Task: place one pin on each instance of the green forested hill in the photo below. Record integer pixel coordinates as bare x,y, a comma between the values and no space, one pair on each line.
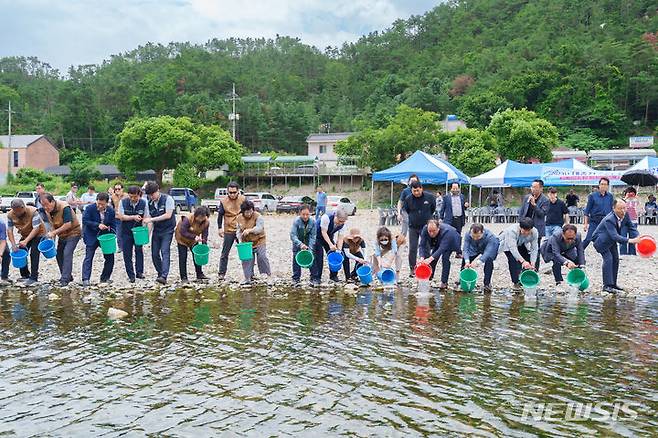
588,66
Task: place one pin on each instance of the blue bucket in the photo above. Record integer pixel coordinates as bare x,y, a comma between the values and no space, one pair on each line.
19,258
386,276
335,261
365,274
47,248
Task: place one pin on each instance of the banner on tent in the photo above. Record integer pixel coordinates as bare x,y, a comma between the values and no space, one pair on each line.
554,176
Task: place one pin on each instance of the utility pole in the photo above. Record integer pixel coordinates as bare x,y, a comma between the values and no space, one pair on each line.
234,117
9,153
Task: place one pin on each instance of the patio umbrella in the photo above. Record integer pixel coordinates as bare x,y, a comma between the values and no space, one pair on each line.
641,177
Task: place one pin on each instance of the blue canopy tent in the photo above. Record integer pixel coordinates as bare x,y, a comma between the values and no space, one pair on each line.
514,174
430,169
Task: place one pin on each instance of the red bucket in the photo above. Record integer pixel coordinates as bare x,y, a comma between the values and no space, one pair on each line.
423,271
646,247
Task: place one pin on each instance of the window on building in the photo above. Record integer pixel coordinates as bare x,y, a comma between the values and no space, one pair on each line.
323,148
15,158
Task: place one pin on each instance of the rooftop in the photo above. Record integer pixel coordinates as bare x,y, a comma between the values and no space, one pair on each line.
19,141
334,136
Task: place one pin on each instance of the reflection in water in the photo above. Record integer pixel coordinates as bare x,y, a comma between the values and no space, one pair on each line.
258,362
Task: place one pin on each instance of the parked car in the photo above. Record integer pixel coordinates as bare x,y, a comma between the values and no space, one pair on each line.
290,204
263,201
213,204
333,202
184,198
27,197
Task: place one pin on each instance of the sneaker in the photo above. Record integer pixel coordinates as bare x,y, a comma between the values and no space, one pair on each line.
161,280
245,283
106,281
86,283
63,283
220,277
202,277
132,280
609,289
558,283
617,287
23,279
487,289
517,286
141,276
30,282
443,286
315,283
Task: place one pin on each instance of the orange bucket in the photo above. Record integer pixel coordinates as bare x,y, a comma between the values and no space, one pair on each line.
646,247
423,271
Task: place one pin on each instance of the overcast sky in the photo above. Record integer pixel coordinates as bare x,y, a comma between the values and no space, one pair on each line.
74,32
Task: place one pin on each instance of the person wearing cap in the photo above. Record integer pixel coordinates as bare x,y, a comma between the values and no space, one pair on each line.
354,248
250,227
480,242
132,210
302,234
163,220
27,221
62,223
438,241
191,230
98,219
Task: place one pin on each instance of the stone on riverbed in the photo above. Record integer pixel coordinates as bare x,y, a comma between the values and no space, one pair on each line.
115,314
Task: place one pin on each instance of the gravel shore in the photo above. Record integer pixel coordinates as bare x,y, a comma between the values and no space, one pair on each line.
637,275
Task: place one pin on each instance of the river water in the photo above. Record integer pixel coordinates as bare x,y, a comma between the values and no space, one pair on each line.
283,362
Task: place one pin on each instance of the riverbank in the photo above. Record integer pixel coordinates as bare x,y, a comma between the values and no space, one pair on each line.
636,274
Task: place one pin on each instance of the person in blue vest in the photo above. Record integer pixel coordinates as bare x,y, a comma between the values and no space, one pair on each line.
483,243
329,237
606,237
132,211
563,249
438,241
161,215
97,219
599,204
303,235
453,210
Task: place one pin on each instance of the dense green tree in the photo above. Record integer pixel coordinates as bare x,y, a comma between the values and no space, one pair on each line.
522,136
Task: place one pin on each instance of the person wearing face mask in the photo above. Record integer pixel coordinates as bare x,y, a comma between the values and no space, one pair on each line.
386,252
519,242
132,211
251,228
97,219
606,237
163,219
303,235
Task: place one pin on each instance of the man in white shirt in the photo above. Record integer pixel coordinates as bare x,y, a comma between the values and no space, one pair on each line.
88,198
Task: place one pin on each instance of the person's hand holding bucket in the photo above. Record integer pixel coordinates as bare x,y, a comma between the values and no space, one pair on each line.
423,271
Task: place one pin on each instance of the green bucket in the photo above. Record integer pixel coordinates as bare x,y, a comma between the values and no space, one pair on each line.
578,278
108,243
304,258
245,251
201,252
529,279
141,235
467,279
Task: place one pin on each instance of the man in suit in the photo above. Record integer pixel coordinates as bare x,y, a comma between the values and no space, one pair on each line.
535,205
438,241
97,219
599,204
606,237
563,249
453,211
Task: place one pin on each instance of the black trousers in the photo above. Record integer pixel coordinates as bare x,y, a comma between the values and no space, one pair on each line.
182,262
514,265
458,223
33,270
